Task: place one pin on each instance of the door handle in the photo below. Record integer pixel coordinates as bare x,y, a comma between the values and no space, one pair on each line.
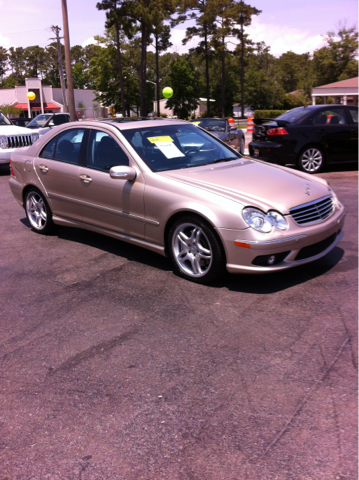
85,178
43,168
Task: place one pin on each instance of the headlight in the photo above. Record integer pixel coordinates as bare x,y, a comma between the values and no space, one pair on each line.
336,202
264,222
34,137
3,142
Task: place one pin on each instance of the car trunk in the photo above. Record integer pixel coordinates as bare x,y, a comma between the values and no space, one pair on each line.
262,125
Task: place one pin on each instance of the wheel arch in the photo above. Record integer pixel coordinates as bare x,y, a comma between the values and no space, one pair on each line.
313,144
31,186
182,213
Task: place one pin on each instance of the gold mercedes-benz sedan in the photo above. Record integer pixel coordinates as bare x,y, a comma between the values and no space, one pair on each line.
177,190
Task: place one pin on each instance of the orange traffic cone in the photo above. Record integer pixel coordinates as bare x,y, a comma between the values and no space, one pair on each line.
250,125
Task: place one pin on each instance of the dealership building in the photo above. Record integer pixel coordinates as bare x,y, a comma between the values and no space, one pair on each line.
48,100
344,92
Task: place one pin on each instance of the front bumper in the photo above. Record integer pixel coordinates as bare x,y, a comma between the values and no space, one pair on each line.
289,247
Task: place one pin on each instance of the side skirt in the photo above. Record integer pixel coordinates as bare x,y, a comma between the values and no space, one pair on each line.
119,236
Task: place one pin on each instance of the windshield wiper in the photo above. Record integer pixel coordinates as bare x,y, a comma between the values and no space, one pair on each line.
219,160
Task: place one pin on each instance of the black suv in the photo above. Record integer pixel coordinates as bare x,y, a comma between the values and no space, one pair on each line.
308,137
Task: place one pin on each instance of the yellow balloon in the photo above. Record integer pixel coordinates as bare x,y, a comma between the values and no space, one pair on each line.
31,96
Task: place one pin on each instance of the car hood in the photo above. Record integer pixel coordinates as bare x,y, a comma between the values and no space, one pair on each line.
253,183
15,130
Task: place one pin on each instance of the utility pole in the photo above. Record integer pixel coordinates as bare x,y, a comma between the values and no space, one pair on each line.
242,66
56,30
70,85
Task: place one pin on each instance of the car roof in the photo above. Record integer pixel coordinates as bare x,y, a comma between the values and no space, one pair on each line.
138,123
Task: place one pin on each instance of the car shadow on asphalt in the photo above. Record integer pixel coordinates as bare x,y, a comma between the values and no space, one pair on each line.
246,283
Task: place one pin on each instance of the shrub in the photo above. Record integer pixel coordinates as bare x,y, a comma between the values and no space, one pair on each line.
268,113
10,110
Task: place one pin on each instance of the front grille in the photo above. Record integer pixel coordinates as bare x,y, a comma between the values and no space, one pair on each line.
316,248
312,211
16,141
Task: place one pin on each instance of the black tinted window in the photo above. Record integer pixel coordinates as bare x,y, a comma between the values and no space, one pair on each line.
104,152
60,119
354,114
48,151
68,146
330,116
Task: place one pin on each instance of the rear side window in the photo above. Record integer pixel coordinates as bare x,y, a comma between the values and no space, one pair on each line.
330,117
65,147
353,112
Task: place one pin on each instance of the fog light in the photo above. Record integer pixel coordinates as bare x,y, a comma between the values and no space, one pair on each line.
271,260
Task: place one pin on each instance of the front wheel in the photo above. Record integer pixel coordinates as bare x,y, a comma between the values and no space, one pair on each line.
195,250
311,160
38,212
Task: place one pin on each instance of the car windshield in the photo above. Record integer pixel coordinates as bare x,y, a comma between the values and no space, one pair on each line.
172,147
211,124
4,120
292,116
39,121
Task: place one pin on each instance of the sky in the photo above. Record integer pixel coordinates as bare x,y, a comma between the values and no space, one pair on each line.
284,25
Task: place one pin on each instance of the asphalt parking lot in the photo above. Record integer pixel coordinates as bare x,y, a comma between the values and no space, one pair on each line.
112,367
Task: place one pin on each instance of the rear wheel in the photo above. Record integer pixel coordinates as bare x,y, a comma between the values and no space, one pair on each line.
195,249
311,160
242,146
38,212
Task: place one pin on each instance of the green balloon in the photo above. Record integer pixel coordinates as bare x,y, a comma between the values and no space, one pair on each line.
167,92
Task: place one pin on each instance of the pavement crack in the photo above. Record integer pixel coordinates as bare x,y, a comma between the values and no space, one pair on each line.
336,420
93,351
306,397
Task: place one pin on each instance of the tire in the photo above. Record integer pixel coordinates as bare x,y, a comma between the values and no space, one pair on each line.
195,250
311,160
38,212
242,145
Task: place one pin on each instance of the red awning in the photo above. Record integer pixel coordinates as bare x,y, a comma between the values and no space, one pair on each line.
47,106
51,105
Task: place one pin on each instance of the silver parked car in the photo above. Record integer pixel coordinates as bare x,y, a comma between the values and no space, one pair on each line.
177,190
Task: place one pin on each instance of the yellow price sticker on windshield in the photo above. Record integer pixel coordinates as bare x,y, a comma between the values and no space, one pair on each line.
196,123
163,139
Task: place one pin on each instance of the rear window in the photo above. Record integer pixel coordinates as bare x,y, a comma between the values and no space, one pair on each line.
293,116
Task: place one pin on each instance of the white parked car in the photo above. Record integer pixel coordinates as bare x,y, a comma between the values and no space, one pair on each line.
46,121
13,137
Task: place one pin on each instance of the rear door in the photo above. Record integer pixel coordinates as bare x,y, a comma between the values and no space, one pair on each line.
353,120
57,168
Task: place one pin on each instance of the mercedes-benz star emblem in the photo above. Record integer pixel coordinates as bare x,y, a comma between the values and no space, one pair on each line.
307,189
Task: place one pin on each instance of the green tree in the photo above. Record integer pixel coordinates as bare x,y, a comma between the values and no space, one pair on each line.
337,60
181,80
3,61
17,63
203,13
117,17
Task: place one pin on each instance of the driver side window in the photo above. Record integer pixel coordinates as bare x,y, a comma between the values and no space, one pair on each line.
104,152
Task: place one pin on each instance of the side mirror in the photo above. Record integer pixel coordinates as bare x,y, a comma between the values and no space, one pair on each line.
233,130
121,172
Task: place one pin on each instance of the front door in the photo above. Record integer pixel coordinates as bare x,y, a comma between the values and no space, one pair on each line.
333,131
110,203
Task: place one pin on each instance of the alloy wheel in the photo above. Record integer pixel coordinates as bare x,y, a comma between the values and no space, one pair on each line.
192,250
36,210
311,160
